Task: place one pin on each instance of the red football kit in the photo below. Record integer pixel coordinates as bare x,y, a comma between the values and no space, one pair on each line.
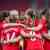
35,43
11,46
1,32
1,27
45,30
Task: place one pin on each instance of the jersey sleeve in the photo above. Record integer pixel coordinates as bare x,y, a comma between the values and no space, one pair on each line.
44,23
1,26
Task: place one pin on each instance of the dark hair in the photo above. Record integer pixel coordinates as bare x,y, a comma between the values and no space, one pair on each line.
3,16
30,13
44,12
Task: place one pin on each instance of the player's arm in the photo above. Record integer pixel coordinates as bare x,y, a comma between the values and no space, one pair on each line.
36,28
25,34
13,24
6,30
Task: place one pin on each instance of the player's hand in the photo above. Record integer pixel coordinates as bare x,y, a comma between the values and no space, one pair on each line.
5,42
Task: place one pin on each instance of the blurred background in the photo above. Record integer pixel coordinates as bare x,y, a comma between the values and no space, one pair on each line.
23,4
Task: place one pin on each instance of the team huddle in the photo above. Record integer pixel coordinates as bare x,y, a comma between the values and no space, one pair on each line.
26,33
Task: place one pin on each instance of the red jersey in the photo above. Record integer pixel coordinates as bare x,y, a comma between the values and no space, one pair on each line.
1,27
11,46
44,23
34,44
35,24
45,30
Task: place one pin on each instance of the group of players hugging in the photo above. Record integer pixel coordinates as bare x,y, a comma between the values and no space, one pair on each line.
27,33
